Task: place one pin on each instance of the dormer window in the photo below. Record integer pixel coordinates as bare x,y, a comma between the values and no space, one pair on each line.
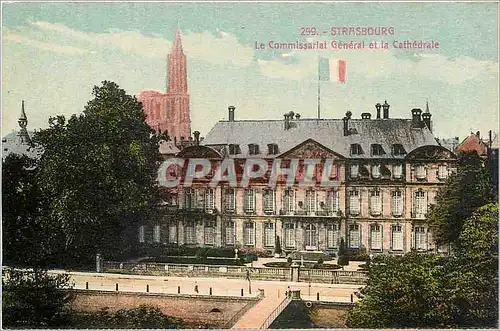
234,149
356,149
398,149
253,149
377,149
272,149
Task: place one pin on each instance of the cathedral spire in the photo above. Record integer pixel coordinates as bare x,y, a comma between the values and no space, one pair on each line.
177,73
23,123
23,119
177,45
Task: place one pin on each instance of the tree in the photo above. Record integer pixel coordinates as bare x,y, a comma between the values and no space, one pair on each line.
35,299
472,273
26,240
98,173
400,292
465,191
430,291
343,259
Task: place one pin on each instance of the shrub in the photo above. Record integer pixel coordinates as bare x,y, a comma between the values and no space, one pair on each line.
277,248
343,259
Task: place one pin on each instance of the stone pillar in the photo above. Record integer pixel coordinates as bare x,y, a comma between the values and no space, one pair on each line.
295,272
296,295
98,263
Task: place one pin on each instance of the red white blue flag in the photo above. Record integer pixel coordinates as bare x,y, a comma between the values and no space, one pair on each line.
332,70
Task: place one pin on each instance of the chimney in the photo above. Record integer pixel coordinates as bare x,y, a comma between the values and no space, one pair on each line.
196,138
366,116
346,122
231,113
287,121
416,121
426,117
378,106
386,106
478,134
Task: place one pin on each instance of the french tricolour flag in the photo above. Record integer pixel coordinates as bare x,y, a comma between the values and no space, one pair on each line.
332,70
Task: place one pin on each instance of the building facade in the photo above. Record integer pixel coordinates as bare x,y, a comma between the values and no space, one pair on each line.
169,112
386,171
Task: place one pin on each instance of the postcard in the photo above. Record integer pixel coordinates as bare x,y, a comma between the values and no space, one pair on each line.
250,165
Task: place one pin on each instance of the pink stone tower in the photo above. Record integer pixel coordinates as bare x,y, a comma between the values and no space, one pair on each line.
170,111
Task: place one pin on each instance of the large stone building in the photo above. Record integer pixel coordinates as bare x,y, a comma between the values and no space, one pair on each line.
387,170
170,111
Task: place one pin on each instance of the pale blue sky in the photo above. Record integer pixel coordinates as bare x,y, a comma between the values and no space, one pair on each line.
53,54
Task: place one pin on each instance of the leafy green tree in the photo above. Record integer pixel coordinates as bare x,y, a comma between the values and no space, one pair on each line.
343,258
26,239
97,173
465,191
35,299
426,290
401,292
472,273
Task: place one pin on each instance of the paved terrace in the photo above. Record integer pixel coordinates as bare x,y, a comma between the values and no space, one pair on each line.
274,291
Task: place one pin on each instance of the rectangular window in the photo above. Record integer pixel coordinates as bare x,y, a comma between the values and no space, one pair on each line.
230,200
272,149
397,203
376,171
289,235
420,172
420,205
354,170
420,238
234,149
288,201
209,200
354,236
248,233
442,172
190,232
141,233
375,236
310,202
332,236
189,199
209,234
268,201
269,240
397,238
249,203
354,202
172,233
375,203
333,202
397,171
253,149
230,233
156,234
356,149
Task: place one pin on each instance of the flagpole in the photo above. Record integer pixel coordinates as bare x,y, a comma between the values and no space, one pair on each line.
319,93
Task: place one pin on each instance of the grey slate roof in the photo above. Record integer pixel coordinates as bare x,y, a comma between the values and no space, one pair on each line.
328,132
13,144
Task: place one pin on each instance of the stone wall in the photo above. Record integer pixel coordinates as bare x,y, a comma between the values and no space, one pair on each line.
198,311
